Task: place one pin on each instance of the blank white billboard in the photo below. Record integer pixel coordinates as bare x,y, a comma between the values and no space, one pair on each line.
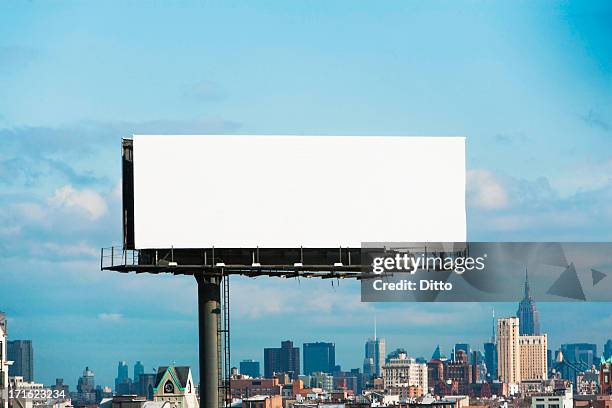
291,191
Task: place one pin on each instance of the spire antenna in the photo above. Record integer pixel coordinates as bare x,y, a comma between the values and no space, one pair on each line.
374,327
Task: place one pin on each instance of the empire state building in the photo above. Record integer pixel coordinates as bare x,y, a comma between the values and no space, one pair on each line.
529,318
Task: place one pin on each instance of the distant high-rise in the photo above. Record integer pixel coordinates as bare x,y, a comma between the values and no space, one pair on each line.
4,367
138,369
491,361
22,355
607,350
250,368
369,369
122,382
508,350
401,371
86,389
145,385
527,313
319,357
532,349
375,350
285,359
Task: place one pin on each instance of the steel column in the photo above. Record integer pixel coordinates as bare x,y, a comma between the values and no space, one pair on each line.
209,294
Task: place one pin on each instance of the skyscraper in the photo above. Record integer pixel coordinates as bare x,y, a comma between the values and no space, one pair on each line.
491,361
607,350
4,367
508,351
22,355
86,389
122,382
319,357
375,349
285,359
532,351
138,369
527,313
250,368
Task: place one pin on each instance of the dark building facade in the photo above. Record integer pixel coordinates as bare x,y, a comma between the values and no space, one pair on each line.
319,357
145,385
529,317
285,359
607,350
138,369
22,355
250,368
491,361
459,372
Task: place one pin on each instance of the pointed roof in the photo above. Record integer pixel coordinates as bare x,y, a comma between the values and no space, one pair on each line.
436,354
527,295
179,374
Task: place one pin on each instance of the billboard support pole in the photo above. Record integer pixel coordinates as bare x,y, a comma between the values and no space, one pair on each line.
209,309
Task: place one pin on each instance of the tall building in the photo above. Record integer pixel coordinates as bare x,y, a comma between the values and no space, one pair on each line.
4,367
404,372
508,350
86,389
138,369
527,313
285,359
534,365
460,372
20,352
369,369
145,385
491,361
607,350
250,368
375,349
319,357
123,384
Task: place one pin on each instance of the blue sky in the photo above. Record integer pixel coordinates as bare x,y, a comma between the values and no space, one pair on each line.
528,83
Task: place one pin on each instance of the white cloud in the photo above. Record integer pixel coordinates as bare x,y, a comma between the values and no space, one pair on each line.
110,317
30,211
117,191
86,201
66,251
485,190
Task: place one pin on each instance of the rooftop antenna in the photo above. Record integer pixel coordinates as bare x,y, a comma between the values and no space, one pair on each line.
374,327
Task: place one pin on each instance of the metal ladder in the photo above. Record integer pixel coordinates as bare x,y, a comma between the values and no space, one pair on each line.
223,343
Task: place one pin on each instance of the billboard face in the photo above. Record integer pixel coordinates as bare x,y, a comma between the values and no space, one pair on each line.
291,191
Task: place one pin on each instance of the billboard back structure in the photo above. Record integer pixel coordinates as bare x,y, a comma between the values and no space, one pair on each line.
222,191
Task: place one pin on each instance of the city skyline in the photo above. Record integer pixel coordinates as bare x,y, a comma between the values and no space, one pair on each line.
123,370
76,78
